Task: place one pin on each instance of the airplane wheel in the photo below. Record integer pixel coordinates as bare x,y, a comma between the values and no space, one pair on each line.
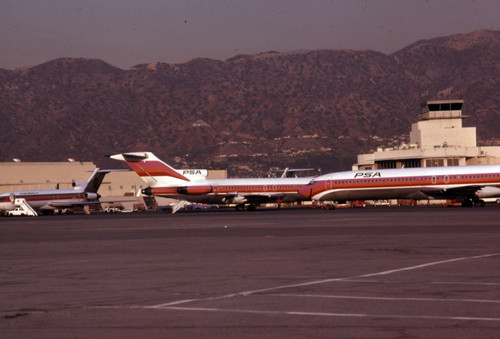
240,207
467,203
480,203
251,207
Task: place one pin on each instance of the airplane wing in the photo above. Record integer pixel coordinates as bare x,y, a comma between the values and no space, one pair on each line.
451,193
257,198
70,203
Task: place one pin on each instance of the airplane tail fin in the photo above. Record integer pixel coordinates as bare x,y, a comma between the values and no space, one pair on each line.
151,169
84,185
94,181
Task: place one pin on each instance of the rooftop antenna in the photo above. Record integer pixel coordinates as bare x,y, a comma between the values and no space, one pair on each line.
424,97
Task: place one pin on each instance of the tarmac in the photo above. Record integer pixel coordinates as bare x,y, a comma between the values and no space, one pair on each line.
407,272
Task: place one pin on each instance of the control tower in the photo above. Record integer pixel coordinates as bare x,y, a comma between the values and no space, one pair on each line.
436,139
440,125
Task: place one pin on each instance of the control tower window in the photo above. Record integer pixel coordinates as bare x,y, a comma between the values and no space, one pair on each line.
445,107
433,107
456,106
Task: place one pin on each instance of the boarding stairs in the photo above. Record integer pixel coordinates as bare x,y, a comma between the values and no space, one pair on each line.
21,202
180,204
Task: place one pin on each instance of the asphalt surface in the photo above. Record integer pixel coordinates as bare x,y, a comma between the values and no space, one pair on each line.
423,272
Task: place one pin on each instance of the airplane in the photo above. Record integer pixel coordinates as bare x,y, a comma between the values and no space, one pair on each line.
82,194
193,186
468,185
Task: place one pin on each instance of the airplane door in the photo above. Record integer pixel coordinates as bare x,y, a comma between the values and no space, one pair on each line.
215,188
328,183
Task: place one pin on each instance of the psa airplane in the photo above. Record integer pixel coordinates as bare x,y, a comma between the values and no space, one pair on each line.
467,184
192,185
82,194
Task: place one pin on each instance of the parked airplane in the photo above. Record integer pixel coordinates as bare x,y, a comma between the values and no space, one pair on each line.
193,186
467,184
82,194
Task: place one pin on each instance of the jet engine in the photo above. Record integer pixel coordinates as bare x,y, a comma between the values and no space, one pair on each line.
147,191
91,196
205,189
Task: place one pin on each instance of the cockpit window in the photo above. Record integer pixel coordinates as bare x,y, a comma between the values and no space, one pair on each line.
312,182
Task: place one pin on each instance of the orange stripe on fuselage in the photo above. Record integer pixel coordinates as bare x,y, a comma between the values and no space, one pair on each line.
164,190
399,182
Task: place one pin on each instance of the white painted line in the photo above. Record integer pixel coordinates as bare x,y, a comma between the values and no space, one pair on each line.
368,275
323,281
374,281
464,283
382,298
324,314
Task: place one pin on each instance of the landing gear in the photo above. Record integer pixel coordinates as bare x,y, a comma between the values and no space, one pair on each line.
241,207
467,202
473,202
480,203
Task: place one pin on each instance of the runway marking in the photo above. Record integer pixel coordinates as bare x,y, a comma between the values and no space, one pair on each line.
326,314
465,283
323,281
374,281
174,305
382,298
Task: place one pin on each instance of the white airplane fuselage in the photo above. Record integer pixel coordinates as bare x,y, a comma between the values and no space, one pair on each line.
46,199
457,182
221,191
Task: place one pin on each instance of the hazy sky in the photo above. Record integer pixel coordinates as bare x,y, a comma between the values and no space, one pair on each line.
126,32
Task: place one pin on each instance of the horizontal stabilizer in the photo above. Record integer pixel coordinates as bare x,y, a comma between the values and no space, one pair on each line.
114,170
129,157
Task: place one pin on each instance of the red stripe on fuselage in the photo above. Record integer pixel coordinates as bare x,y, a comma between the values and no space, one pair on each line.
49,196
399,182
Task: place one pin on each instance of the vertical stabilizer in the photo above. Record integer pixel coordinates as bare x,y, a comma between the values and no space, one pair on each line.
95,181
151,169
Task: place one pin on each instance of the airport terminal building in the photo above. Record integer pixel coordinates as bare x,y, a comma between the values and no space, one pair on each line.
436,139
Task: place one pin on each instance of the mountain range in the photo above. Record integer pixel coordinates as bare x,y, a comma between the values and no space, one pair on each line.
249,114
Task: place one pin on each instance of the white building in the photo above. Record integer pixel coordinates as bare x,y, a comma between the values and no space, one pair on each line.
436,139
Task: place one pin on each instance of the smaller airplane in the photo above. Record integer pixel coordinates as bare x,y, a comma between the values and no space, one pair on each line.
83,194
